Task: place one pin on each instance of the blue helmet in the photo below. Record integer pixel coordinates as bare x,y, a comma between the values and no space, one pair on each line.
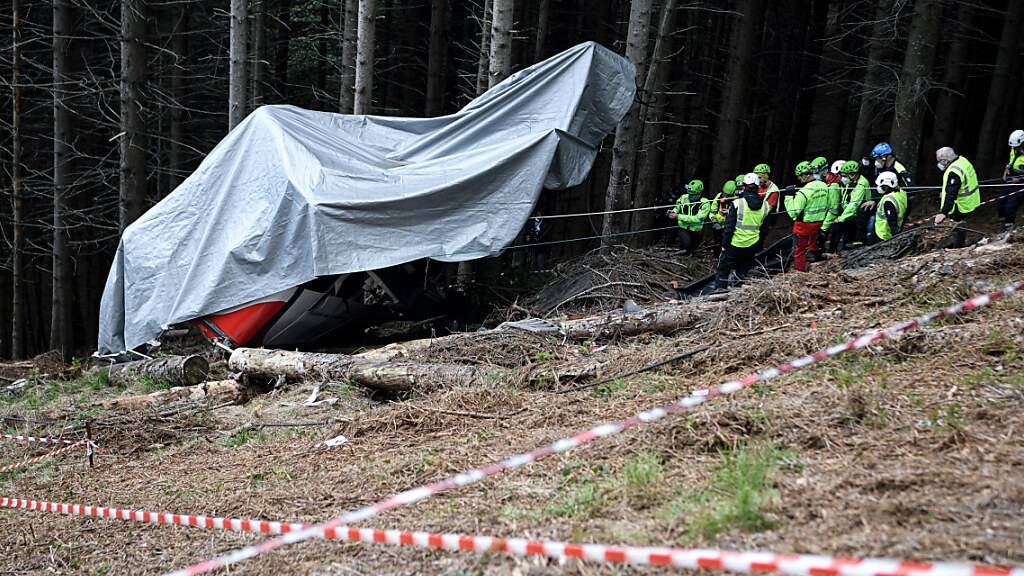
881,149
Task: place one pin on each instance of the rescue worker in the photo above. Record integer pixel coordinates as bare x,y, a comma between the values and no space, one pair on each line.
768,190
960,193
691,212
853,191
720,210
885,161
1012,199
892,208
835,191
741,234
835,172
807,207
819,167
820,172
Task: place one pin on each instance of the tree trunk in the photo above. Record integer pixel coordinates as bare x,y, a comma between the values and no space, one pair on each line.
60,315
346,100
466,273
484,65
729,131
651,116
661,319
543,25
620,182
501,42
873,77
914,83
283,47
993,126
258,38
133,126
437,56
946,121
18,336
210,393
365,44
238,74
322,58
179,47
261,364
178,370
390,373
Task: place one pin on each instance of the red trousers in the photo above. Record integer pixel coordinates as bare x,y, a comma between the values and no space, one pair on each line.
806,241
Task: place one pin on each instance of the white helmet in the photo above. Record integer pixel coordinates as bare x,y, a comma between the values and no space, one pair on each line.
1016,138
751,178
945,154
837,166
886,179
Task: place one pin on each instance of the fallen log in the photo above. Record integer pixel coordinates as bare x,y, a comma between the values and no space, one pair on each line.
663,318
380,375
390,376
217,392
178,370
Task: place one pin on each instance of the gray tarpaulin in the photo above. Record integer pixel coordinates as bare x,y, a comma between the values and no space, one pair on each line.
292,194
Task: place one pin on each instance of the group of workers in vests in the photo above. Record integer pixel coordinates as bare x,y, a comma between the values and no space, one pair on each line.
834,207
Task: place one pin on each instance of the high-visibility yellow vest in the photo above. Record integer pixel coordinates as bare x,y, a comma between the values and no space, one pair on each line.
969,196
748,223
898,198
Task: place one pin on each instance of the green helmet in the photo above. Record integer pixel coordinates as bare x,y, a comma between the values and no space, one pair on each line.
762,168
803,168
729,188
695,187
850,167
738,180
819,164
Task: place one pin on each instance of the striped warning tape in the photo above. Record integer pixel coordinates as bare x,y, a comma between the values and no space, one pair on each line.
747,562
989,201
19,438
48,455
473,476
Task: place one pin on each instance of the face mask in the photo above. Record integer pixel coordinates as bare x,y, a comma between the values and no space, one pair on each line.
845,180
817,176
879,163
942,166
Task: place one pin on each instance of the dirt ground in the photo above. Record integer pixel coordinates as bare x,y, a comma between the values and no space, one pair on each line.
911,449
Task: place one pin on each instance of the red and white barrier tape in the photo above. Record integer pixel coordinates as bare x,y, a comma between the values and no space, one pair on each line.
472,476
989,201
48,455
41,440
747,562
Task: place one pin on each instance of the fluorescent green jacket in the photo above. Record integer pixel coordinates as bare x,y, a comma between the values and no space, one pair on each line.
810,203
693,212
835,201
853,196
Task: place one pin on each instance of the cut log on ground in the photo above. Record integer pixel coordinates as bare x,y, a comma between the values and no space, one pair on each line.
217,392
662,319
395,376
379,375
178,370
